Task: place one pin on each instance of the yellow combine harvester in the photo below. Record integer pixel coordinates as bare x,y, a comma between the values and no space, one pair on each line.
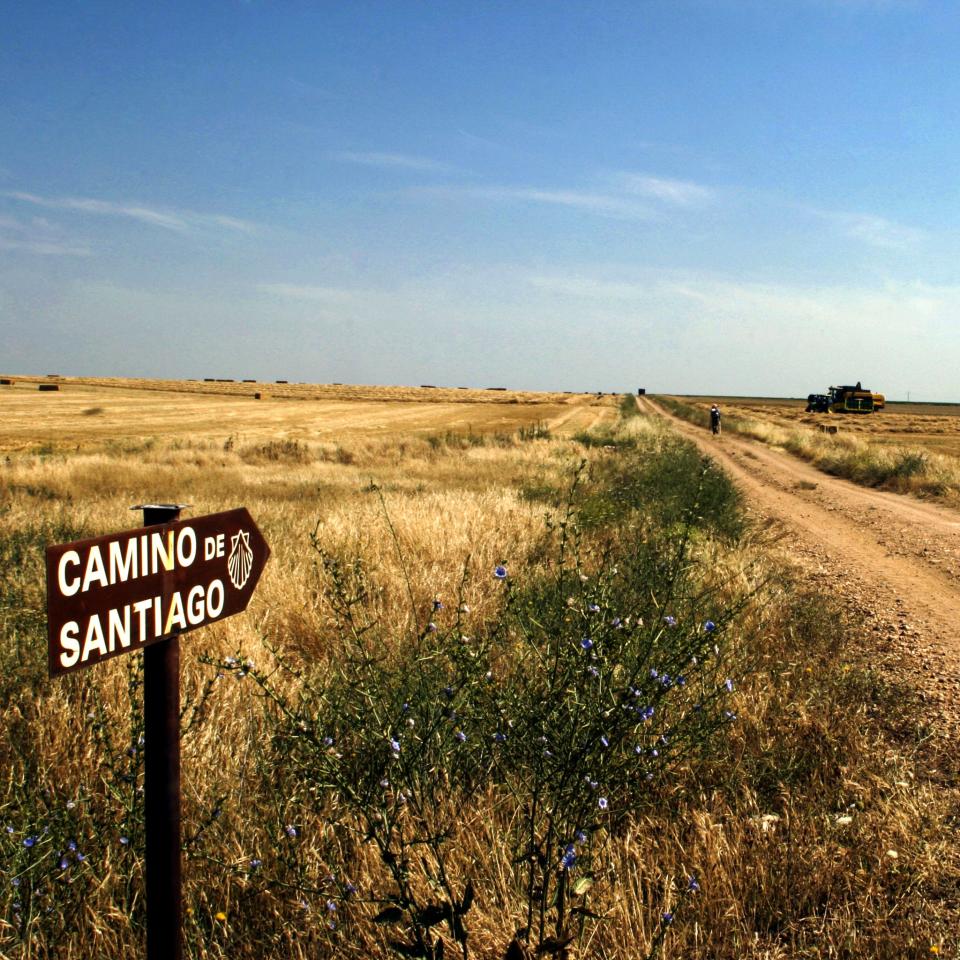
845,399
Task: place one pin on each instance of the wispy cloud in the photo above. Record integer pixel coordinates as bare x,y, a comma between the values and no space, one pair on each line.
600,204
38,237
314,294
392,161
177,220
875,231
591,288
683,193
622,195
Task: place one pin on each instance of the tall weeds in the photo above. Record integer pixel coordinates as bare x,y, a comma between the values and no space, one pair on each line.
594,721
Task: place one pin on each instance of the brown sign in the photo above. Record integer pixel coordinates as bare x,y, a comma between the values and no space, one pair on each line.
124,591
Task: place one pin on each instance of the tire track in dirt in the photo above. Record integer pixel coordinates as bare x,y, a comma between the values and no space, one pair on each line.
893,559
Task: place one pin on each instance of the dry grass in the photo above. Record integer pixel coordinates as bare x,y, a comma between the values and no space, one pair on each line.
760,823
898,449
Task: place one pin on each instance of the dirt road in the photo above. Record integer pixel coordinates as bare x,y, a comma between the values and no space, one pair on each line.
893,559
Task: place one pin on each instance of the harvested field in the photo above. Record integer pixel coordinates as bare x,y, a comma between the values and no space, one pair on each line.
136,411
484,536
934,426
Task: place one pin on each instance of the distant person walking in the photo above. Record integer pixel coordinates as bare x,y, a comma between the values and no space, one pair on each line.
715,420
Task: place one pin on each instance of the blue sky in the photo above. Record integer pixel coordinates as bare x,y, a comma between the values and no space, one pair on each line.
700,196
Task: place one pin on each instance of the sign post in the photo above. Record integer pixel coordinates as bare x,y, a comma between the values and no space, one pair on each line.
161,801
141,589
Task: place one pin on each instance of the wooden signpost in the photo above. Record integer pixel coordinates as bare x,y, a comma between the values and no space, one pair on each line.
141,589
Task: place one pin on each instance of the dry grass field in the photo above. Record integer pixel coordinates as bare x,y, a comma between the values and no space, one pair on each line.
909,448
89,413
771,840
935,427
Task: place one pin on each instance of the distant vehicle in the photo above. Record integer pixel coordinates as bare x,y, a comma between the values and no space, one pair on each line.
845,399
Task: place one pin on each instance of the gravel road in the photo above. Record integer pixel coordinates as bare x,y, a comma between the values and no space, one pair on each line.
894,560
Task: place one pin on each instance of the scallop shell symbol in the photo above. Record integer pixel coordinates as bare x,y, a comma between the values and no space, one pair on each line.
240,561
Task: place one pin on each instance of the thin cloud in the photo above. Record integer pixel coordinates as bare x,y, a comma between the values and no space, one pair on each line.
683,193
44,248
590,288
315,294
176,220
600,204
873,230
392,161
38,237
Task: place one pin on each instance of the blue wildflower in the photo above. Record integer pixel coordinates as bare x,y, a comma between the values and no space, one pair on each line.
124,841
500,571
593,608
667,919
437,604
328,741
349,890
256,864
581,836
569,858
593,671
80,857
670,621
586,643
709,626
602,803
290,830
604,741
728,683
394,745
692,885
29,842
331,907
431,627
64,863
461,736
499,737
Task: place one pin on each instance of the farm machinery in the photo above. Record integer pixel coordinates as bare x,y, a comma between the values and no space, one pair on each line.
845,399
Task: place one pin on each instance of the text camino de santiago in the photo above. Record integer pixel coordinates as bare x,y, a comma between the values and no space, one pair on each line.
139,621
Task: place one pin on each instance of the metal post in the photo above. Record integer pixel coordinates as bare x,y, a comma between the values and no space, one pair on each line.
161,709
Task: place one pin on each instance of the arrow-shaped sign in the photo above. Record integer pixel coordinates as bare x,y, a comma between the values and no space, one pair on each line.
124,591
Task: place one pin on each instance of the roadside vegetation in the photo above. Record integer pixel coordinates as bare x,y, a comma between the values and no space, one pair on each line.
903,469
505,696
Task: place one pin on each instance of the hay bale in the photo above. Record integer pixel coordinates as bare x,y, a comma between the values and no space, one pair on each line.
257,396
6,382
46,387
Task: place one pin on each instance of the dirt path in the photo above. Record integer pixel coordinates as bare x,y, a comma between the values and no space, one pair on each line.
895,560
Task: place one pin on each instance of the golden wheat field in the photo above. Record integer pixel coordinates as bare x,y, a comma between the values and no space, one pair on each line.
771,847
88,412
935,427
